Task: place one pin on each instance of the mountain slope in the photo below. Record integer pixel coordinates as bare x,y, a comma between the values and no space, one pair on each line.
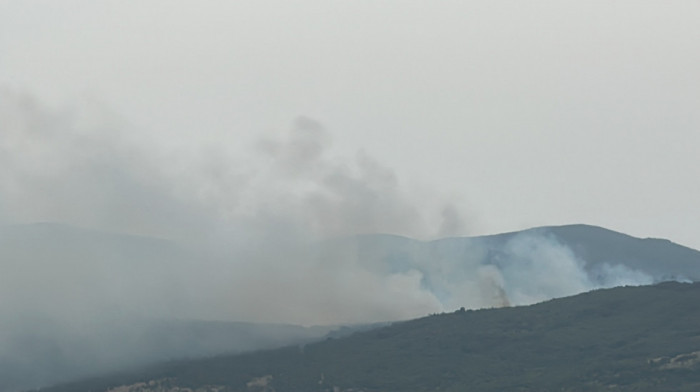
623,339
528,266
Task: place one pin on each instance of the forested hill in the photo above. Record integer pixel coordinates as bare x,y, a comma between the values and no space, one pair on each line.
622,339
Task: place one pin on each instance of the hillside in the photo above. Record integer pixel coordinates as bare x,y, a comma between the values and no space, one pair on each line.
623,339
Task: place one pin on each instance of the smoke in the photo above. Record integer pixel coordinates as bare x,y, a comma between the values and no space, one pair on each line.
265,236
479,272
301,184
79,167
536,268
143,231
242,226
83,167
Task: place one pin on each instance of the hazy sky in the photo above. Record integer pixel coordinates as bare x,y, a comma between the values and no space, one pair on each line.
244,131
516,114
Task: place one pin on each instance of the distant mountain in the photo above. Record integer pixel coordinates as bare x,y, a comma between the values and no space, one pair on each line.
642,338
527,266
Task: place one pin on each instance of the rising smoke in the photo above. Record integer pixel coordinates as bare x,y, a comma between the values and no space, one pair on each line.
237,239
248,231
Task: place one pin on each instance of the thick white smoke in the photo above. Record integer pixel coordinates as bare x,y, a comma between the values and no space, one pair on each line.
536,268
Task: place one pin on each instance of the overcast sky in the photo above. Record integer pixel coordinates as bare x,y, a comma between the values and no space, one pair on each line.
516,114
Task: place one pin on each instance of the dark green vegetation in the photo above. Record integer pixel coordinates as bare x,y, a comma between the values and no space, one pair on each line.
622,339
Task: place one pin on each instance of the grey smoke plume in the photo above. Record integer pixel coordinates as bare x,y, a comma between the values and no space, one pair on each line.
72,167
251,219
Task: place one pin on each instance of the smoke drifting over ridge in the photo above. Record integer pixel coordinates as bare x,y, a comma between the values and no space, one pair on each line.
254,238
